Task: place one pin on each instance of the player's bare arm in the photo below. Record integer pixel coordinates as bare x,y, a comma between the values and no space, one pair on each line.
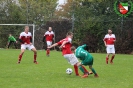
56,44
105,43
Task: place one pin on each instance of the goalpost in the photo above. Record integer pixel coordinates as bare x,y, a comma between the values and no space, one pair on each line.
33,25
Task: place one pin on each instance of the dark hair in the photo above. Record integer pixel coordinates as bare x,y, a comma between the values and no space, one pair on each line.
69,33
73,48
87,48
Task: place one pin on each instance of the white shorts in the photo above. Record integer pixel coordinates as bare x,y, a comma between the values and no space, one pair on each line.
71,58
49,43
110,49
27,46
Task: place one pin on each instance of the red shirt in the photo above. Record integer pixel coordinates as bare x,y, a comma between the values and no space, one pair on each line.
109,39
25,37
66,49
49,35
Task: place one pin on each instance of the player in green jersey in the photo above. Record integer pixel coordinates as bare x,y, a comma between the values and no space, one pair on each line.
82,53
11,40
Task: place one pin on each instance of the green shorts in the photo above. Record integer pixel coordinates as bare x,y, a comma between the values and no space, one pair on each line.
87,61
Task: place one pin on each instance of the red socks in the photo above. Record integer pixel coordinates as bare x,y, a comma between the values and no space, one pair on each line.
112,58
107,60
20,57
76,69
48,51
85,69
111,61
35,57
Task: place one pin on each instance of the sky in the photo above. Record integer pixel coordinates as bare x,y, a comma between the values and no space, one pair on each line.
62,1
59,1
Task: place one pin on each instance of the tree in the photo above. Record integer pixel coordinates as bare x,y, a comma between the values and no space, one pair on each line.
64,10
92,18
39,11
24,12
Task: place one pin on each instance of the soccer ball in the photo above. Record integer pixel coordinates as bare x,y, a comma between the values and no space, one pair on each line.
69,71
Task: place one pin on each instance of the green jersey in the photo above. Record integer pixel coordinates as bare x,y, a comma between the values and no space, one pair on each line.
84,55
11,38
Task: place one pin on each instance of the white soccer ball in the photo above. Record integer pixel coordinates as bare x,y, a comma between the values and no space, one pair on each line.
69,71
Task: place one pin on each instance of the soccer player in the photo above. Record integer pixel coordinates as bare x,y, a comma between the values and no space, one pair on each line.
26,43
87,59
11,40
109,41
48,36
65,45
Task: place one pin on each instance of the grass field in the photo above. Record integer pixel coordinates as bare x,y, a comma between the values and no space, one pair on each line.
50,72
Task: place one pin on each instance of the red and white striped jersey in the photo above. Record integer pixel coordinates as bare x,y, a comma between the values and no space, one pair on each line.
25,37
49,35
109,39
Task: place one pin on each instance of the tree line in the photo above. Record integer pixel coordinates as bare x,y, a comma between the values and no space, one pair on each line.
88,19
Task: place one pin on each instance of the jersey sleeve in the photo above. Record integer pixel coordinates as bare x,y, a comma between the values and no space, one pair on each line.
114,37
13,38
69,40
53,34
59,43
8,39
45,34
20,37
105,38
30,36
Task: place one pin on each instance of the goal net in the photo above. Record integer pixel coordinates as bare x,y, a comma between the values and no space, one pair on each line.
15,30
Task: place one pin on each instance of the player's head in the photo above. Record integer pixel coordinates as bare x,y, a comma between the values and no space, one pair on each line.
50,29
26,29
10,34
73,49
109,31
86,47
70,34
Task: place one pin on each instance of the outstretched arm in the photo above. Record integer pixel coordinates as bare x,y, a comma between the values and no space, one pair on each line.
56,44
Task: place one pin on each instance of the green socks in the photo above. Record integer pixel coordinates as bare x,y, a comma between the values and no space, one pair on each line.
93,70
80,67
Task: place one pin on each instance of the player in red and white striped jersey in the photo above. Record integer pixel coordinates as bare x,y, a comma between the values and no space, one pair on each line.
48,36
109,41
26,43
65,45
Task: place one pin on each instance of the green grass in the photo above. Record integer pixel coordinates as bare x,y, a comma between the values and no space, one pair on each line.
50,72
